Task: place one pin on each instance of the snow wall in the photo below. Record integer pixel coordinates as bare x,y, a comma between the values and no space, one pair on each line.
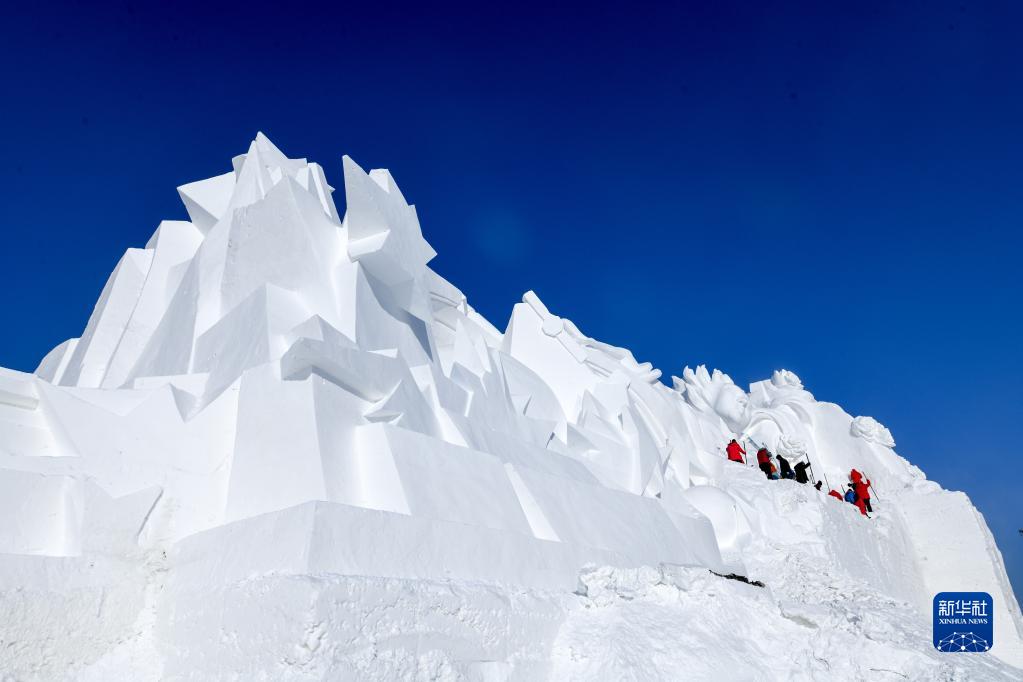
285,448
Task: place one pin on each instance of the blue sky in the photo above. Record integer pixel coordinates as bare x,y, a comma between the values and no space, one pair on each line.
834,191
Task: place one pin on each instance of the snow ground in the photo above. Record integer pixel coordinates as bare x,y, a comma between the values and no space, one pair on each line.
682,623
811,621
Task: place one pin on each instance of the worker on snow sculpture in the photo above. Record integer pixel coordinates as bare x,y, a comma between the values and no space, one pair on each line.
786,468
734,450
801,476
764,461
850,495
852,498
863,492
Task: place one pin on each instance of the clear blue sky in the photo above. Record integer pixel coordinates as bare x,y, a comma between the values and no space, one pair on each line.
834,191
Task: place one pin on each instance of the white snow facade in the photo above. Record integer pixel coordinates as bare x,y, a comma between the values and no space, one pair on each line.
284,448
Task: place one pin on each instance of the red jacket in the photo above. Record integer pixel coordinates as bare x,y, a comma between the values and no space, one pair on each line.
733,450
861,489
762,456
862,507
855,476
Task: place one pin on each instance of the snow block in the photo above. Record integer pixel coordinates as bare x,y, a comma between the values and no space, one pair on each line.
44,514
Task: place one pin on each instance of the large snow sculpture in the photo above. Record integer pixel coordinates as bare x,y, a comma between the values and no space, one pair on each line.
269,390
290,357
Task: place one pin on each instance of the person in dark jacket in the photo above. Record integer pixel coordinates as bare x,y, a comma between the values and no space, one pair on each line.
735,452
764,461
786,469
818,485
801,468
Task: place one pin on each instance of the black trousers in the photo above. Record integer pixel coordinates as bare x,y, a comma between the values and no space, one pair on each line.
766,468
866,503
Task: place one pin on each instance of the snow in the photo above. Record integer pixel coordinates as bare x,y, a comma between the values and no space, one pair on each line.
870,429
284,448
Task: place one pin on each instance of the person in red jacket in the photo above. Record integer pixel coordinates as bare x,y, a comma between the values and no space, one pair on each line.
863,493
733,451
853,498
764,461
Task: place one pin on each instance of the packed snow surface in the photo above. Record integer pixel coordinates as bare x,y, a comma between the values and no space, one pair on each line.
284,448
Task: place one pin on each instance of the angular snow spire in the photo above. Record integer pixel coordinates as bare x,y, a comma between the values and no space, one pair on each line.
385,237
207,200
381,222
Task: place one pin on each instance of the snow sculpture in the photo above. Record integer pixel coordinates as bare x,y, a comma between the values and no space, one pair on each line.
783,378
782,414
872,430
790,446
613,406
290,357
274,402
715,393
731,528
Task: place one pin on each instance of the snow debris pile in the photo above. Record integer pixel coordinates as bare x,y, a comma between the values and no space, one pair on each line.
285,448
